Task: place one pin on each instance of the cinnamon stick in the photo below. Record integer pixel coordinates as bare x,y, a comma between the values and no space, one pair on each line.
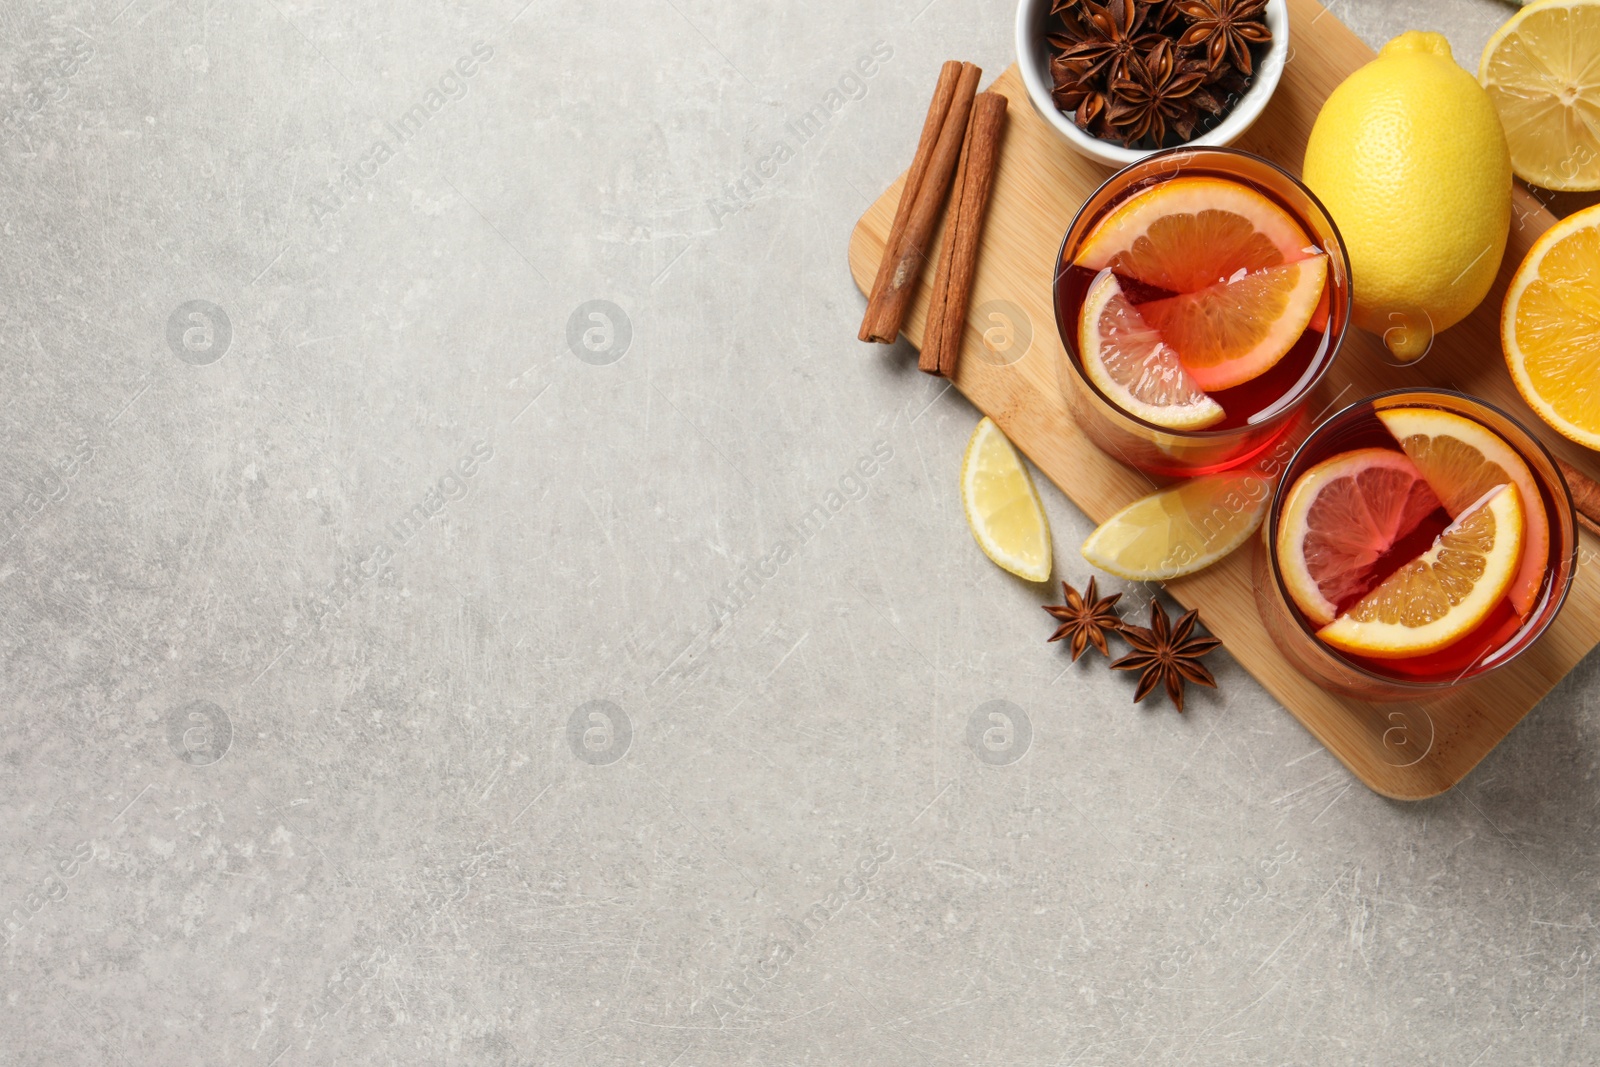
886,309
944,91
932,331
1585,495
958,260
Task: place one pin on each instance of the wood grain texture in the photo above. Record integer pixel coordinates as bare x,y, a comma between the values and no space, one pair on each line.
1040,185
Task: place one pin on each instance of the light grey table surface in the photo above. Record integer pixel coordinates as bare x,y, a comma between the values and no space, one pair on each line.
322,538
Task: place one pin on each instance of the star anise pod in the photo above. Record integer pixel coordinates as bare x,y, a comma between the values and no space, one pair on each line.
1086,619
1083,96
1227,84
1114,38
1167,655
1071,23
1159,14
1155,95
1225,29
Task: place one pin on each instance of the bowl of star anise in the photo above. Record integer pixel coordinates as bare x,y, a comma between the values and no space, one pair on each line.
1120,79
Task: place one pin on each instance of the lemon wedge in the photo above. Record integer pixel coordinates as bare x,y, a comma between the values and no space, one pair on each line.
1002,505
1180,530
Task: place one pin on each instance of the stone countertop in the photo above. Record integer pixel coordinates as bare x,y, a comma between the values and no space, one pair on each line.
469,599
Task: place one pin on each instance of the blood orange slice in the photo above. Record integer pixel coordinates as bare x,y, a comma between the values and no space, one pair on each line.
1130,363
1188,233
1228,334
1446,593
1462,460
1341,517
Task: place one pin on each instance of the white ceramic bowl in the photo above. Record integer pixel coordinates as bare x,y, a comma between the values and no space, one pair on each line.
1033,59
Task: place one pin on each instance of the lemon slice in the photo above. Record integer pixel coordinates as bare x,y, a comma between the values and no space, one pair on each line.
1461,460
1542,71
1180,530
1185,234
1444,594
1003,508
1129,362
1550,327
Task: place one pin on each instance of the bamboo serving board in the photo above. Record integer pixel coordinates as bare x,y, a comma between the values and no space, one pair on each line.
1405,751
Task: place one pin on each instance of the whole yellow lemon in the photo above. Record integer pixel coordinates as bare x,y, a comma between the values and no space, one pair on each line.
1410,160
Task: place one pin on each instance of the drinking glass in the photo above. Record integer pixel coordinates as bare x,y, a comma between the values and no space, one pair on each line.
1370,679
1153,448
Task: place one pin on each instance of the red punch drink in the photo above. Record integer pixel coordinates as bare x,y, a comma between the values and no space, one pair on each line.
1418,540
1201,295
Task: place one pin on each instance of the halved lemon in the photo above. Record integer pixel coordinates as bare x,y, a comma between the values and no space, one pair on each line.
1229,333
1462,460
1185,234
1550,327
1444,594
1180,530
1340,518
1002,506
1542,71
1130,363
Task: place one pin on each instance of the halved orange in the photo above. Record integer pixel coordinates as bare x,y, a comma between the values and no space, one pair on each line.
1550,327
1340,518
1189,233
1444,594
1229,333
1462,460
1133,366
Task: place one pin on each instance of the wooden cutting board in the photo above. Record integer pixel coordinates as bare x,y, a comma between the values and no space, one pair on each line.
1405,751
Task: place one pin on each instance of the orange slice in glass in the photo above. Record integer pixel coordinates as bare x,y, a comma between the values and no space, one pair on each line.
1229,333
1444,594
1462,460
1130,363
1341,517
1189,233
